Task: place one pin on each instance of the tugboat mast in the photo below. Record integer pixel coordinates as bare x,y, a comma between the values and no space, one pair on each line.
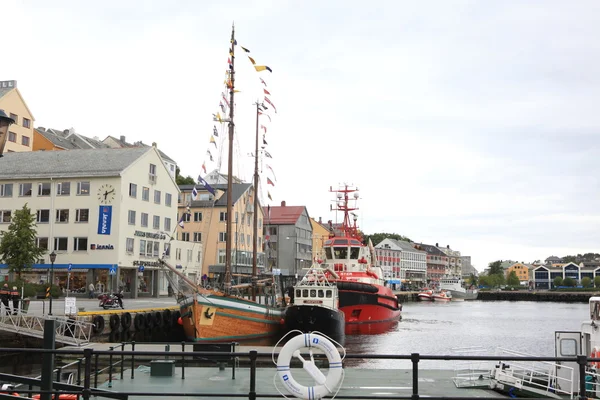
230,166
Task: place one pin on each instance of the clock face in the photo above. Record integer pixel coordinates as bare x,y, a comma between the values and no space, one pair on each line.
106,194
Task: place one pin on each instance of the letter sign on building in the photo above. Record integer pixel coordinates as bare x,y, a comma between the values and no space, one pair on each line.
104,220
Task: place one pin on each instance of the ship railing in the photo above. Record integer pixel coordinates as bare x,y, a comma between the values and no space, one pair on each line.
471,373
67,330
96,370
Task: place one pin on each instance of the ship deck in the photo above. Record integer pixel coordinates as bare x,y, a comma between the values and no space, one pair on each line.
367,383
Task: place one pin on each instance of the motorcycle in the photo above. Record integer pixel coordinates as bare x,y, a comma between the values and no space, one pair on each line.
110,301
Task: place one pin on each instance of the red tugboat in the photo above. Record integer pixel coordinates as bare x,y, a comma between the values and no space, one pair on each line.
368,305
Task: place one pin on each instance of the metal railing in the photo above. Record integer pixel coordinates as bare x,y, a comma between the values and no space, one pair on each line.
85,382
68,331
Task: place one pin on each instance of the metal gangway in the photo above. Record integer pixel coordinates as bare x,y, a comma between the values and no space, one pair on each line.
68,330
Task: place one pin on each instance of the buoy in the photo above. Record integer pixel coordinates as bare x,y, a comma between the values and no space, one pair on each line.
325,384
180,321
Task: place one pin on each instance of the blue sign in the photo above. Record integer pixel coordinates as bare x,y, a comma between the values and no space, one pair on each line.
70,267
104,220
112,270
141,268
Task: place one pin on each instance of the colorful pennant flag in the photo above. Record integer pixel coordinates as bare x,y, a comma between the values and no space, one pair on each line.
215,132
272,105
217,117
231,53
245,49
234,41
266,115
264,127
204,167
269,196
273,172
263,82
265,141
252,60
181,220
266,92
225,98
267,154
262,68
209,155
212,140
270,182
222,107
206,185
194,193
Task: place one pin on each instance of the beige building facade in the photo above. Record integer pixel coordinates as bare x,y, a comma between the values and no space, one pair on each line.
20,134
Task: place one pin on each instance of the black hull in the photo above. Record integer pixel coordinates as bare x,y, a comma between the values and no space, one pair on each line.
308,318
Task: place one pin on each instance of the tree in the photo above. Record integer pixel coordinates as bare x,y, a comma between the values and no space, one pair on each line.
180,180
513,279
496,280
473,279
597,281
558,281
496,268
18,248
569,259
570,282
586,282
484,280
377,238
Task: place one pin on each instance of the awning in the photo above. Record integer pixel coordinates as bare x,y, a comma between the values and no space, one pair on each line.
394,281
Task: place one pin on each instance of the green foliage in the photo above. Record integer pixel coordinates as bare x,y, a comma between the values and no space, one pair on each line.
586,282
473,280
180,180
580,257
597,281
18,247
377,238
33,289
568,259
496,268
513,279
558,281
484,280
570,282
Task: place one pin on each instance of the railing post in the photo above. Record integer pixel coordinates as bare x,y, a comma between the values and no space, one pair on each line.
110,363
48,359
79,371
183,360
96,372
87,353
122,358
132,358
582,361
253,357
414,358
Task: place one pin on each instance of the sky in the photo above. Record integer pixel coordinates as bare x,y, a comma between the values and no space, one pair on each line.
472,124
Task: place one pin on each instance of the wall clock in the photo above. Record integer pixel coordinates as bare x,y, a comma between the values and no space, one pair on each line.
106,194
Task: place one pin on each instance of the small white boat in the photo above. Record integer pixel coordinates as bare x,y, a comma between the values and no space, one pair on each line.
442,296
426,295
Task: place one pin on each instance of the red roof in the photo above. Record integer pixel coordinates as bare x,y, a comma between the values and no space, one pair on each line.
283,215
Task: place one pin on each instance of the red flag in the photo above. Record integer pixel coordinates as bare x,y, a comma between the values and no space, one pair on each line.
264,127
204,167
263,82
266,92
272,105
270,182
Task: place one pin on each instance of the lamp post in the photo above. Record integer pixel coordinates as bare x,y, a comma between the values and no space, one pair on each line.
52,259
5,122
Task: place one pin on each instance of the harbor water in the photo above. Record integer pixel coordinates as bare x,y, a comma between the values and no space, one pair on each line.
438,328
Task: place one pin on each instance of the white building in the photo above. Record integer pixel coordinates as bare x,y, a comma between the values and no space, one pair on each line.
454,261
413,262
107,213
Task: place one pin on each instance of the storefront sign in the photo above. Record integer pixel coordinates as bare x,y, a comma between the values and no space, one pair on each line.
104,220
150,235
147,263
102,247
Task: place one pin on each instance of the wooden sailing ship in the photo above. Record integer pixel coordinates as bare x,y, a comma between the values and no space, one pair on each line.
219,315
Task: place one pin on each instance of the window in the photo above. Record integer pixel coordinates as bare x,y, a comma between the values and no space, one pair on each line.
186,217
152,170
133,190
178,254
144,221
25,190
5,216
83,188
185,236
145,193
199,259
167,224
131,217
189,255
6,190
80,244
168,199
156,249
223,216
62,215
15,117
129,245
26,123
43,216
222,236
63,188
12,137
197,236
156,222
236,218
60,244
42,243
197,217
25,140
157,195
260,224
82,215
142,247
44,189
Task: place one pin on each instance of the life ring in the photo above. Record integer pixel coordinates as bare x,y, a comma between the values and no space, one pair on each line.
98,324
596,354
325,384
114,322
64,396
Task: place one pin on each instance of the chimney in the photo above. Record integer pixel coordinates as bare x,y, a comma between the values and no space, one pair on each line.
320,220
437,245
283,203
153,144
122,138
448,246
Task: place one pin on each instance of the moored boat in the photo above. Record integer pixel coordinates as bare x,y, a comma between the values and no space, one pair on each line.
455,286
314,306
442,296
425,295
364,297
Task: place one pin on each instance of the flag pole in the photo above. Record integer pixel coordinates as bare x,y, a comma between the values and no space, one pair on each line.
255,222
227,285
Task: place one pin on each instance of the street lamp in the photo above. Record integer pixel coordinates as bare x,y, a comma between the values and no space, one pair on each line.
5,122
52,259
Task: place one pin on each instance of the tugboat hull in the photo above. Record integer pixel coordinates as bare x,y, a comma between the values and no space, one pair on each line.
308,318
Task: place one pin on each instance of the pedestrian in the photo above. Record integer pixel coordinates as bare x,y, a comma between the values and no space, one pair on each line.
15,299
4,296
91,290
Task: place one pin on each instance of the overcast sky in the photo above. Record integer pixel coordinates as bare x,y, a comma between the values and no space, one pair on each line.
468,123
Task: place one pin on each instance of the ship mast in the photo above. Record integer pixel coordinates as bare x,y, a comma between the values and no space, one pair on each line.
255,221
342,203
230,167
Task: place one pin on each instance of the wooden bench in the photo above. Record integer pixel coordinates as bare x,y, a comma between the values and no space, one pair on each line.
220,359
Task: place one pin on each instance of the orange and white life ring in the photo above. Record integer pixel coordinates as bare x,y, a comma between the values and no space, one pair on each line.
63,396
595,354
